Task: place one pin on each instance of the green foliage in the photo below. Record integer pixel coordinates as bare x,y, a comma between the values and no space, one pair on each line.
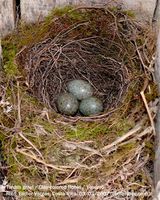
9,52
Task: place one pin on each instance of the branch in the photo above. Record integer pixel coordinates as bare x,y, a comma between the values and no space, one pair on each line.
121,139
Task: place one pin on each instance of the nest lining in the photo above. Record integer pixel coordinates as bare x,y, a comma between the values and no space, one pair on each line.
52,65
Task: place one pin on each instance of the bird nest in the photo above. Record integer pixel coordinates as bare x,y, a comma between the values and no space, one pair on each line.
105,153
93,49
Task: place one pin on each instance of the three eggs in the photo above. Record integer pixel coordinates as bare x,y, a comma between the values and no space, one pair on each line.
80,97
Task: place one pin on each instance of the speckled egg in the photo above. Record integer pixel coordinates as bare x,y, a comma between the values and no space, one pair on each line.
91,106
80,89
67,104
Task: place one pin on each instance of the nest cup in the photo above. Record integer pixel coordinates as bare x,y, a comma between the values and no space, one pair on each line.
69,55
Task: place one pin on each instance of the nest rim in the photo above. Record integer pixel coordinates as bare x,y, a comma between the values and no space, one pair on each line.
60,39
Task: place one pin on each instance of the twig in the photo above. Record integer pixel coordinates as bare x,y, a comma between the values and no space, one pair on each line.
30,143
124,137
146,105
83,146
82,166
141,59
91,118
148,130
18,105
69,181
34,157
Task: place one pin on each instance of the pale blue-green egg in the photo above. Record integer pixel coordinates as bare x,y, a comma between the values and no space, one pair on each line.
80,89
67,104
91,106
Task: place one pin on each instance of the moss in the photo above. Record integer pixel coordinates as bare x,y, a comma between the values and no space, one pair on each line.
129,13
122,126
28,99
2,136
116,9
150,149
151,93
99,131
69,11
60,11
30,34
50,128
149,145
86,131
9,122
9,52
111,165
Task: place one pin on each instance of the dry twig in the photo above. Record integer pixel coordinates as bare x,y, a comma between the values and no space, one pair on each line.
147,107
122,138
